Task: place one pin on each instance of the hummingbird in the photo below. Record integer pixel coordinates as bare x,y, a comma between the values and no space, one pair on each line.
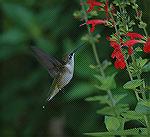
60,70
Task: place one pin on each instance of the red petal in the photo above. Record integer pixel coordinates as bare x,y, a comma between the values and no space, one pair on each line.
146,47
91,4
130,50
91,7
94,23
134,35
131,42
106,8
120,64
114,44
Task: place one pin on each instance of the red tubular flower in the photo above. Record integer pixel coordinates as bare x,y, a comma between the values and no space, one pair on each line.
92,4
120,62
134,35
94,23
131,43
146,47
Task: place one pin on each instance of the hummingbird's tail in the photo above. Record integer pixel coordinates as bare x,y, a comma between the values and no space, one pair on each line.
52,93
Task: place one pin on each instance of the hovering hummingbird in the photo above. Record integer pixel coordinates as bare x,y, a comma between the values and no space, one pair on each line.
61,71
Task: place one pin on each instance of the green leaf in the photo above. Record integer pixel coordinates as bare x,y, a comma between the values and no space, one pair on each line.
100,78
111,111
143,107
119,97
129,132
132,84
142,24
146,68
13,37
138,49
132,115
101,99
141,62
18,13
106,83
112,123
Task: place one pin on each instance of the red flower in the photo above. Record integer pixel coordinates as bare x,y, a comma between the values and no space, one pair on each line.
94,23
146,47
120,62
117,54
134,35
131,43
92,4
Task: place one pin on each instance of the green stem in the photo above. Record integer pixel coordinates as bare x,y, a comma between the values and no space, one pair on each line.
139,78
93,43
131,78
130,75
140,19
96,56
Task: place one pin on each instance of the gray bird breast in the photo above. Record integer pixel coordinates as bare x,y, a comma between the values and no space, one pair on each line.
67,76
65,79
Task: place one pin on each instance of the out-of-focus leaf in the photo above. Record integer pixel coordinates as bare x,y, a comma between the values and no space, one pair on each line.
12,37
23,17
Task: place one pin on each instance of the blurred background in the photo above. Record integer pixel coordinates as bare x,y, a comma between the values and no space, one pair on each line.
24,83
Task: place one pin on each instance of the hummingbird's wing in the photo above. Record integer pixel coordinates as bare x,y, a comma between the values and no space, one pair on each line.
53,66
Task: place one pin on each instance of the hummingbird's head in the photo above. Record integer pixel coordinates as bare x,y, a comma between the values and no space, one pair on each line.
70,58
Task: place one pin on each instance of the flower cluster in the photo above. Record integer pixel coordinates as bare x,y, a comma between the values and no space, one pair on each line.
137,38
94,22
117,53
134,39
125,40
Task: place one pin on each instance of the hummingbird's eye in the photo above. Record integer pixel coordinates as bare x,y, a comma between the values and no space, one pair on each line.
70,56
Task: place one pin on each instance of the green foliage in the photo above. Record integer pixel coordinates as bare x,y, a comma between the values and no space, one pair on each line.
146,68
112,123
135,132
24,84
143,107
133,84
113,111
106,83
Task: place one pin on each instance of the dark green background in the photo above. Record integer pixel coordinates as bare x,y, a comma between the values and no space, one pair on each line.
50,25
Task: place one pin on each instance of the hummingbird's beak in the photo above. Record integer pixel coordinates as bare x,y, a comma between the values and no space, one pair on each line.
78,48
